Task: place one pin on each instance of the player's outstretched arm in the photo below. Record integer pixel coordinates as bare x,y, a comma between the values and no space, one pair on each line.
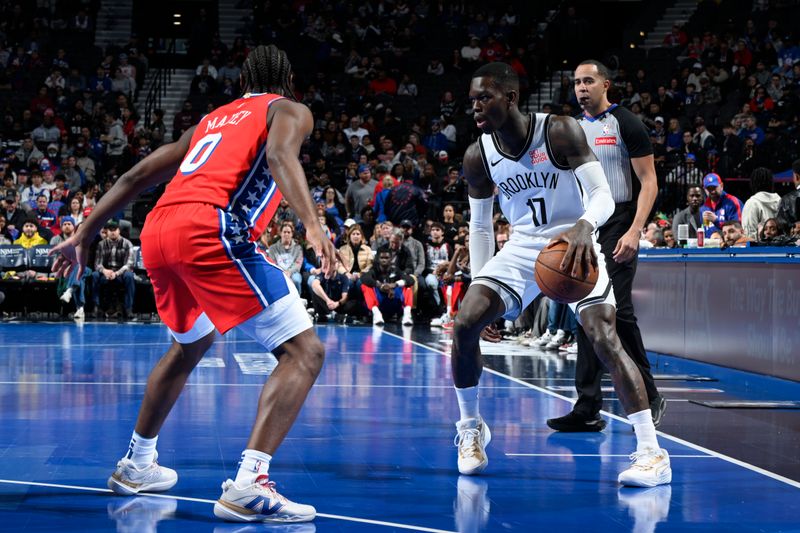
289,124
154,169
569,147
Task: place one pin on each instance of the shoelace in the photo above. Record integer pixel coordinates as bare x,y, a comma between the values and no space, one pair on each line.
269,486
635,457
469,439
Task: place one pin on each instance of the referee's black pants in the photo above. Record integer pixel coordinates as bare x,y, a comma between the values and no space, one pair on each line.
588,368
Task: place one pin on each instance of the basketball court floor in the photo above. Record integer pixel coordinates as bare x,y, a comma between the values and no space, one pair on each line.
373,447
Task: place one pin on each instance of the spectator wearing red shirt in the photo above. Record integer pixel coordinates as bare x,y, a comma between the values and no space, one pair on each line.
493,51
677,37
46,218
742,56
383,84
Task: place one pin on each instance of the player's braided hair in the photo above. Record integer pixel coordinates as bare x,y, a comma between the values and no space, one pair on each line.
267,70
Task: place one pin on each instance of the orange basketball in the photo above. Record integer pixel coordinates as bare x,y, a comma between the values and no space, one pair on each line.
561,286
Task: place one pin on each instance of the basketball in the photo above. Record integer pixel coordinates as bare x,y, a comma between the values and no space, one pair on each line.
561,286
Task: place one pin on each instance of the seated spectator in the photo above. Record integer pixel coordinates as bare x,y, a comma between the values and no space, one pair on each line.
387,290
416,251
35,189
789,207
5,235
381,236
30,235
719,207
70,288
669,238
380,198
437,252
771,232
733,235
288,255
114,265
328,295
455,277
47,132
471,52
360,192
46,218
356,259
762,205
15,216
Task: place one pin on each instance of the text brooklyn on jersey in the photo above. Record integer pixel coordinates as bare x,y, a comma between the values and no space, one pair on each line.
528,180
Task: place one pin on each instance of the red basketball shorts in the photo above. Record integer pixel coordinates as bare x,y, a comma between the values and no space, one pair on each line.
200,260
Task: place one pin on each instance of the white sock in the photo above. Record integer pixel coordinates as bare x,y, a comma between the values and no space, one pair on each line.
468,402
253,464
142,451
645,430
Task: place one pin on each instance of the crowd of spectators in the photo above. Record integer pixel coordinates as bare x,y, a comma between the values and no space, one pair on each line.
386,82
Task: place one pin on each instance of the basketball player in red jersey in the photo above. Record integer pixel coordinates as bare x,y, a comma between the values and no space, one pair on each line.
227,173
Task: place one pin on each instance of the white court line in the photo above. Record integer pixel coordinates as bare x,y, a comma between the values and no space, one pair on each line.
317,385
697,447
600,455
200,500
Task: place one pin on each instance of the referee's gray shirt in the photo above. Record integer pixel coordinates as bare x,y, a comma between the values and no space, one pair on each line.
615,136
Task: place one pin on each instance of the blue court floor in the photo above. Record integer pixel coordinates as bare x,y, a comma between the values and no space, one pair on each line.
372,449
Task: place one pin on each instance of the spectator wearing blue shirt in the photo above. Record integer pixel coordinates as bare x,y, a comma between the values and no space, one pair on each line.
751,131
719,207
437,140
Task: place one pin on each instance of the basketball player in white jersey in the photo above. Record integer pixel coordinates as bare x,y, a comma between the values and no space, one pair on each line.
551,188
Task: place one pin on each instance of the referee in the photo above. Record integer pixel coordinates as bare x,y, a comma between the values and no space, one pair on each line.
622,145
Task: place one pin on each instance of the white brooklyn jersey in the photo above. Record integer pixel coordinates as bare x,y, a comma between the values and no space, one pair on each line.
539,197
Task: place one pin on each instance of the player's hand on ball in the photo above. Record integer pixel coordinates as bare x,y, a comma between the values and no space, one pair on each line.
580,252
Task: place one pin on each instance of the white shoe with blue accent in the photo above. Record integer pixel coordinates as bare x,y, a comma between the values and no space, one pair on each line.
259,502
128,479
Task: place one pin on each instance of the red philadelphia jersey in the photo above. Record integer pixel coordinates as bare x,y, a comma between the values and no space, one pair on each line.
226,165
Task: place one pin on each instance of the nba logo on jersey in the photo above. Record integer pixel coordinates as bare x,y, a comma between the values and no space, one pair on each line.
605,138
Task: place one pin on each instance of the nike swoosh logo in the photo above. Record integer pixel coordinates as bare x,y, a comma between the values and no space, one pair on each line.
493,163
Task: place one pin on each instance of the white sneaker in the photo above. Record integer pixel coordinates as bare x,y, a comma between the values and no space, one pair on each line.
543,340
407,320
437,322
67,296
556,341
572,349
128,480
471,507
259,502
78,315
377,317
649,468
471,440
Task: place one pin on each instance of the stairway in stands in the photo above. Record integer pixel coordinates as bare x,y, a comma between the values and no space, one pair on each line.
171,103
679,13
232,17
114,23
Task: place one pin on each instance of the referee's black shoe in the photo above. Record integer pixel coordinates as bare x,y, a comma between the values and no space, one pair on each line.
577,423
658,407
